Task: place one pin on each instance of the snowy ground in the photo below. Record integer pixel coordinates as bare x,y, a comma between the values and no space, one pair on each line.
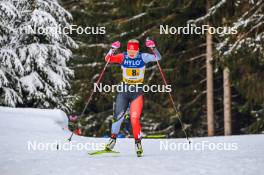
243,154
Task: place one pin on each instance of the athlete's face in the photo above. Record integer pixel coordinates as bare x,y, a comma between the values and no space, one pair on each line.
132,53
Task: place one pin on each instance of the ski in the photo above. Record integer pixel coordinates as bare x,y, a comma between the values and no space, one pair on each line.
98,152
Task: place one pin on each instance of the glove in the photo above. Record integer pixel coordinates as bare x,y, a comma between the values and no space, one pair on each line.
115,45
150,43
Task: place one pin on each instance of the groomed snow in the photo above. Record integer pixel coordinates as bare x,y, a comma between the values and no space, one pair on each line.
19,126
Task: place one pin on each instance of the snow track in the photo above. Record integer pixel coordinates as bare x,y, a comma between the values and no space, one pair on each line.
20,126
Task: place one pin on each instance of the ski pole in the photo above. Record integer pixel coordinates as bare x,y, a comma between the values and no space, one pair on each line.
170,95
91,95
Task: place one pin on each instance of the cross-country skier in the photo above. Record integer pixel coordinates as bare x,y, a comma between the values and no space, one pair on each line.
133,64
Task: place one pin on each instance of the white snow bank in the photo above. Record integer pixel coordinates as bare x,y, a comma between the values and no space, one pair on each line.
38,115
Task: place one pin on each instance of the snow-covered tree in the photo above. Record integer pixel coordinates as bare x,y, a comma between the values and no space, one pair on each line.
43,49
44,54
11,68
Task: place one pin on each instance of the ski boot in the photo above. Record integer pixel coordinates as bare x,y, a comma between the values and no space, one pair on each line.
139,149
111,143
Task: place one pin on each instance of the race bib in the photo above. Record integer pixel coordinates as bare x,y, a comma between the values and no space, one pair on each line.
132,72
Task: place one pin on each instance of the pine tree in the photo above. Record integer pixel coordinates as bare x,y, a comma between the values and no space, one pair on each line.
241,56
44,55
10,65
43,50
209,80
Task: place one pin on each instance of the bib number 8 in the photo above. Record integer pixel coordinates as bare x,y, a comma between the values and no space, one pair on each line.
133,72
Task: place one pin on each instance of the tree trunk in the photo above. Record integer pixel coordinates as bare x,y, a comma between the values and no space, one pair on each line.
227,102
209,82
